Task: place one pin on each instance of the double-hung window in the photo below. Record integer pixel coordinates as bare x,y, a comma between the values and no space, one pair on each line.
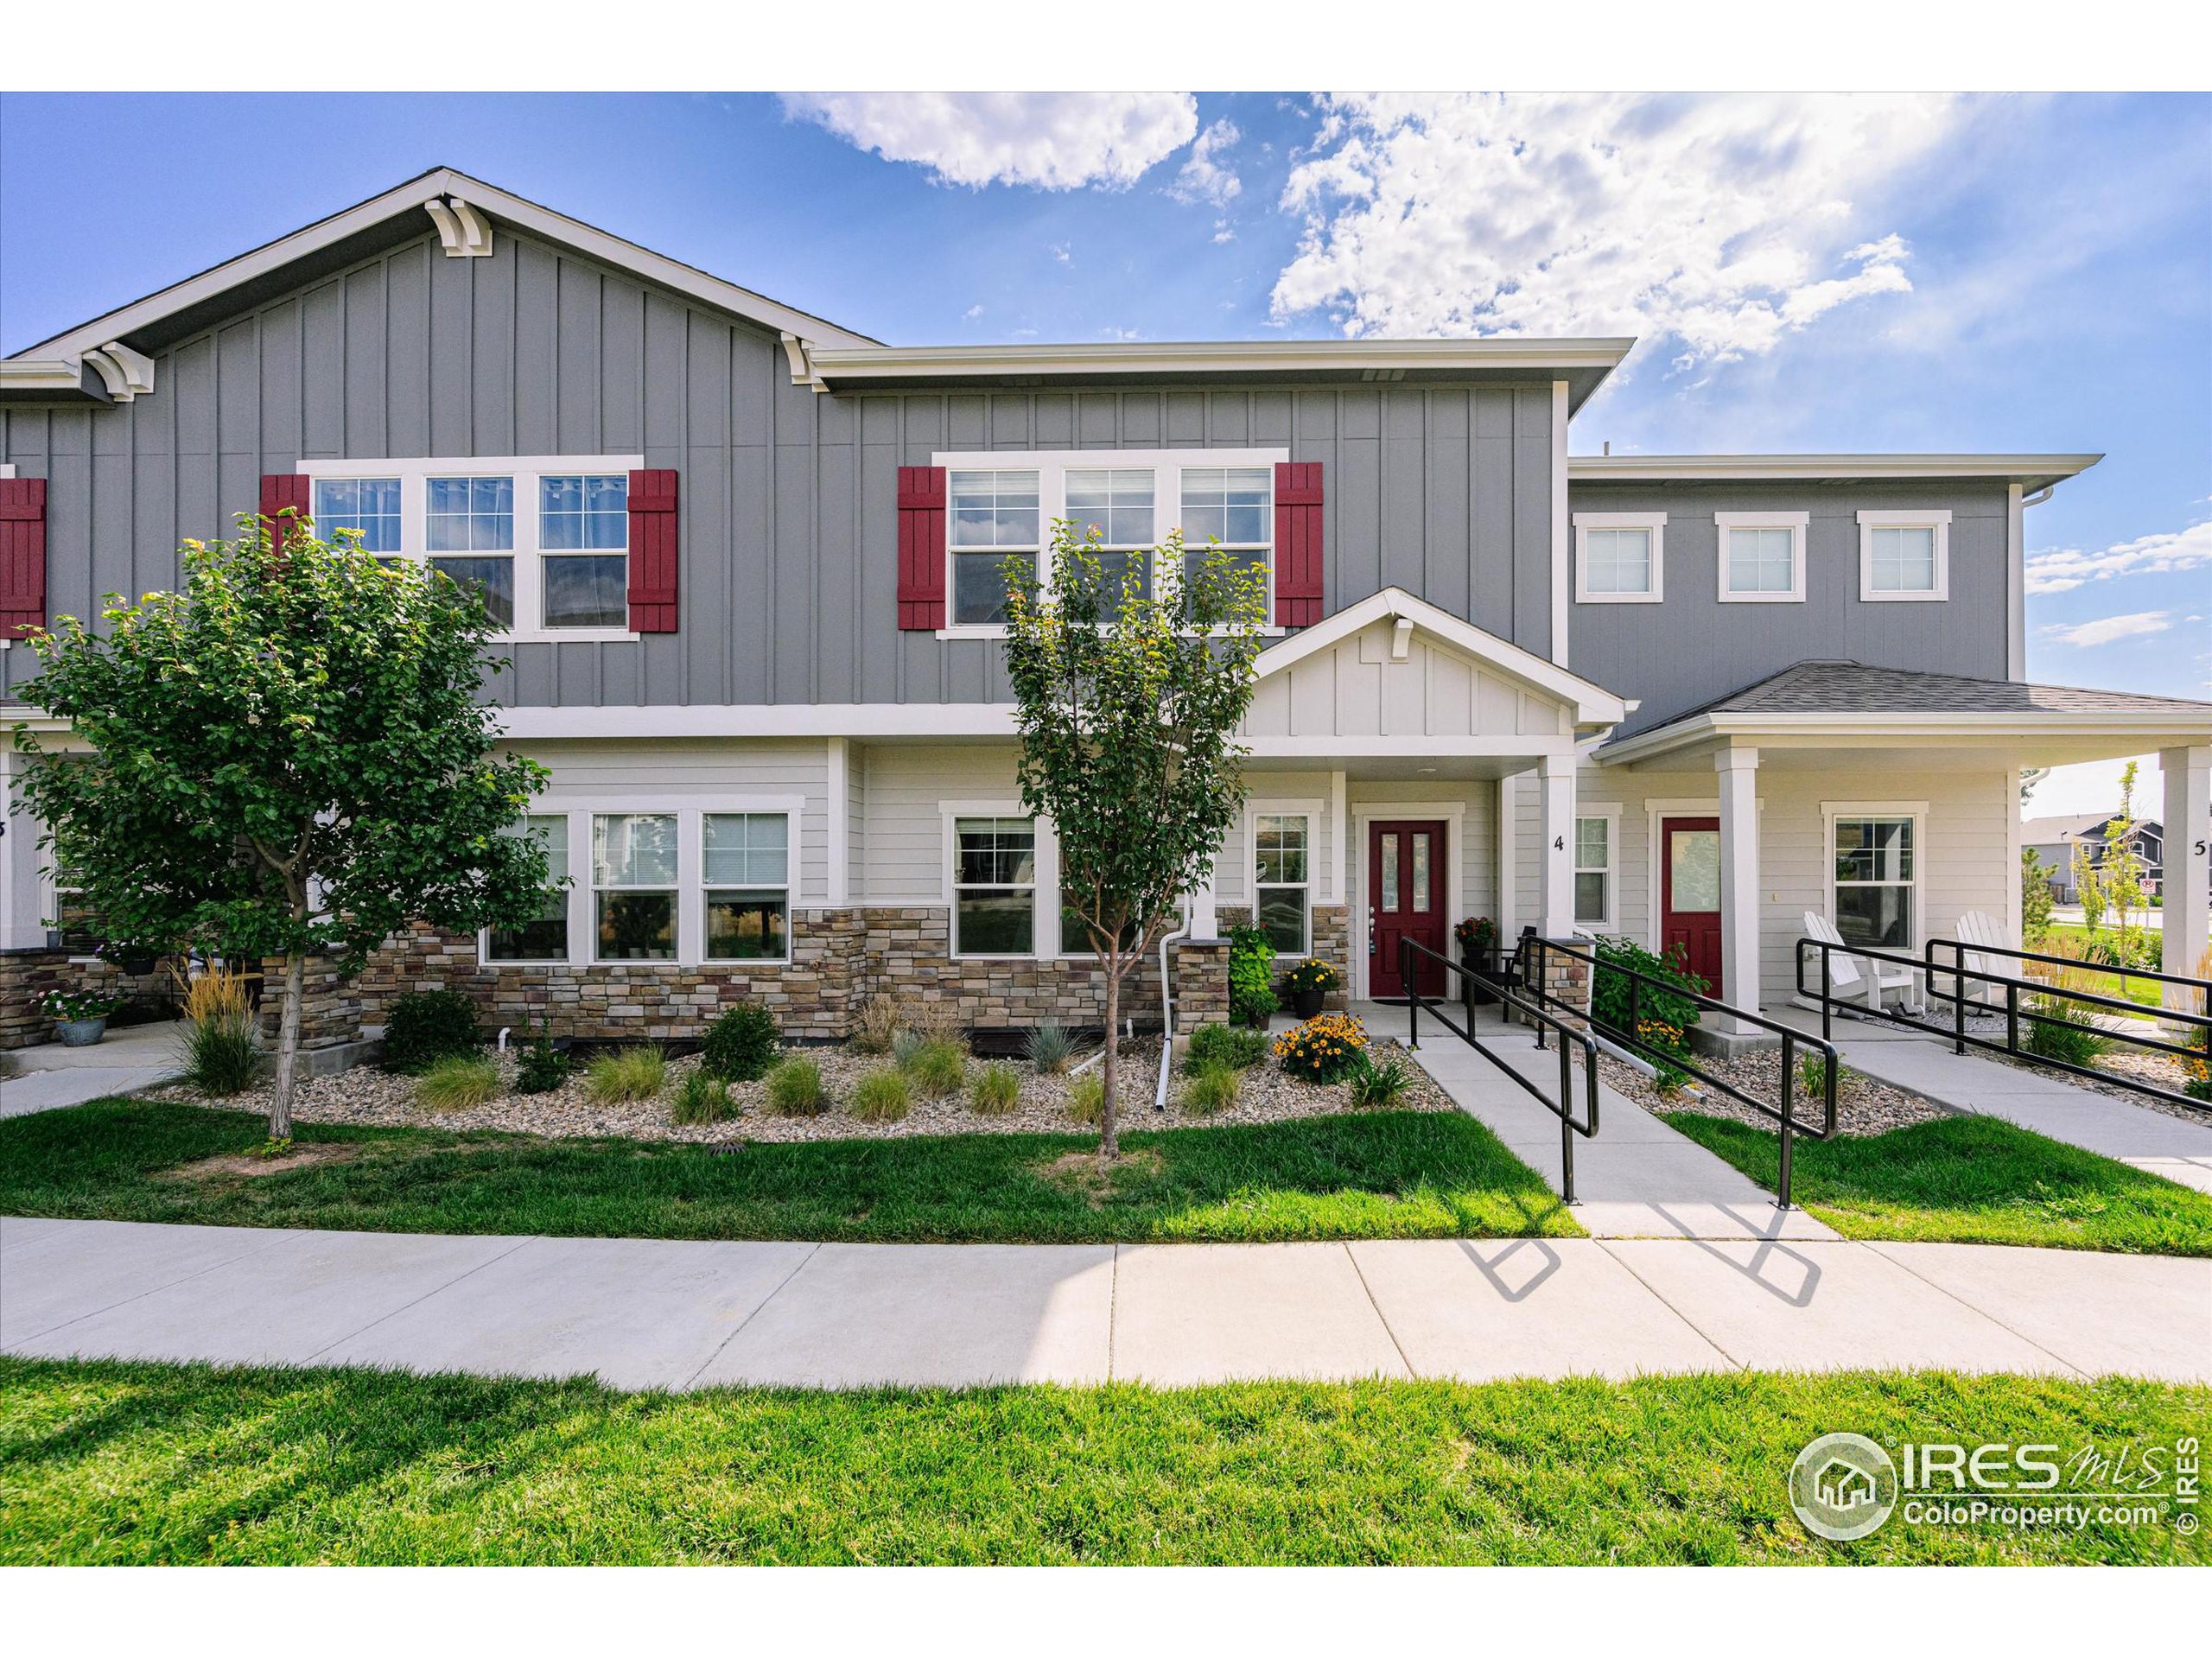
1762,557
1282,865
1875,881
1905,555
584,537
370,506
994,887
748,856
1117,503
469,533
1593,871
994,515
1620,558
1232,507
544,937
635,876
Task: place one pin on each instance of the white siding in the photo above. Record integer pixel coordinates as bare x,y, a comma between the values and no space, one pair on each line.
1355,690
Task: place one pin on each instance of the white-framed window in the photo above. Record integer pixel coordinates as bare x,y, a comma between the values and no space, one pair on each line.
543,539
993,886
1875,875
545,937
1620,558
1762,557
1005,502
1282,880
746,885
993,514
1905,555
636,877
1596,839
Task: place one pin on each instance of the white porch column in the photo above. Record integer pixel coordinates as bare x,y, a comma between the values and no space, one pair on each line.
1205,921
1740,876
21,927
2186,876
1556,917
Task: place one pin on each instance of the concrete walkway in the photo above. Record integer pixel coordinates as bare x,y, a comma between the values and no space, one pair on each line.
1636,1178
2043,1102
138,1057
646,1314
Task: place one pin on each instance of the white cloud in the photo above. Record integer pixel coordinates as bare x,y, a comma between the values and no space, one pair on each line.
1064,253
1203,178
1724,223
2106,629
1053,141
2062,570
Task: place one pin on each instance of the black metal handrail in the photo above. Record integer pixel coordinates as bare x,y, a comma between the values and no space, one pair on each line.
1958,976
1410,951
1633,1040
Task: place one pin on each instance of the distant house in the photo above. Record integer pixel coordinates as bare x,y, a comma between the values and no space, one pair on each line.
2053,841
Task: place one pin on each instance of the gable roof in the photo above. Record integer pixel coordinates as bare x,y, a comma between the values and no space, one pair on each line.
2030,472
398,214
2067,826
1593,705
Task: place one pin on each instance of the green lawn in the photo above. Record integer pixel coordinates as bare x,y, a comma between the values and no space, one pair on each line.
2146,992
1976,1180
1375,1175
136,1463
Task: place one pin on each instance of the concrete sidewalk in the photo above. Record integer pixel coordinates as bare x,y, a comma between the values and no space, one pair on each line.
644,1313
1636,1178
137,1057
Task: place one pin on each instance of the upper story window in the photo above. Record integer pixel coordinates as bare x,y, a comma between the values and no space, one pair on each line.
1905,555
1762,557
544,541
1620,558
995,513
370,505
1132,498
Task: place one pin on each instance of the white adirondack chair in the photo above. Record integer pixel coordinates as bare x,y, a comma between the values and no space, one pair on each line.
1977,928
1851,974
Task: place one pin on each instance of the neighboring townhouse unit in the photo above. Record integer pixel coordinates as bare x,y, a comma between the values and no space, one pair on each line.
2055,840
746,560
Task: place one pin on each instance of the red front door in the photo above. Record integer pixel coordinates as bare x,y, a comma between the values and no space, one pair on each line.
1689,895
1405,900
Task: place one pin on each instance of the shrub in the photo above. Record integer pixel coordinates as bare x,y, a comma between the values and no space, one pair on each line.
1655,1005
221,1056
881,1097
996,1091
1234,1045
1087,1099
905,1045
456,1082
938,1022
1251,976
1211,1088
632,1074
1049,1047
424,1026
1378,1085
794,1089
740,1044
2052,1036
937,1068
1324,1048
2197,1071
877,1024
542,1067
702,1097
1813,1077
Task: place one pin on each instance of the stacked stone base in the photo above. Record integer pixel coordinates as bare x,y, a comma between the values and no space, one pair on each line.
27,977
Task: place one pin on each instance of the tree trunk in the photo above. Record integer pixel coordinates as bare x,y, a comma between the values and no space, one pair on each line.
1109,1145
288,1046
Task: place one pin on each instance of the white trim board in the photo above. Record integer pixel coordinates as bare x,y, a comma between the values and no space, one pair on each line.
1795,523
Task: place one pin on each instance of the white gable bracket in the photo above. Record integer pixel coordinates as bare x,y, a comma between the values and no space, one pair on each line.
125,373
462,232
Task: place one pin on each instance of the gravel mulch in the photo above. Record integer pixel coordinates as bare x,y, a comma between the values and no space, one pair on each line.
2160,1070
367,1096
1864,1105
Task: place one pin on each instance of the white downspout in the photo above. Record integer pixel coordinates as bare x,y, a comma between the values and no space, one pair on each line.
1167,1010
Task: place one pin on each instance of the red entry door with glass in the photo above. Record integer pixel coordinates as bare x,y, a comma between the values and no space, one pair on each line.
1689,902
1405,900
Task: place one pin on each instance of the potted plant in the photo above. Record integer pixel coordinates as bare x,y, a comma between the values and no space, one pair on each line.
137,961
1307,983
80,1017
1477,937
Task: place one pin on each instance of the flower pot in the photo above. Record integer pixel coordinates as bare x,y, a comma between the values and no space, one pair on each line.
1476,962
81,1034
138,963
1307,1003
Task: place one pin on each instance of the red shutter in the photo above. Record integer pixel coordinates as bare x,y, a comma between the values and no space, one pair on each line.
652,550
283,490
921,547
22,555
1298,543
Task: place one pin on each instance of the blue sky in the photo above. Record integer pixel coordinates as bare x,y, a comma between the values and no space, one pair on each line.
2010,272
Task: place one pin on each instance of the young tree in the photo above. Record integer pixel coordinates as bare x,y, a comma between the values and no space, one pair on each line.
2035,898
2089,887
287,758
1129,702
2123,869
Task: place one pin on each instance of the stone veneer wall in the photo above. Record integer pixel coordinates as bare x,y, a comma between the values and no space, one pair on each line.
27,974
1329,929
840,958
330,1005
